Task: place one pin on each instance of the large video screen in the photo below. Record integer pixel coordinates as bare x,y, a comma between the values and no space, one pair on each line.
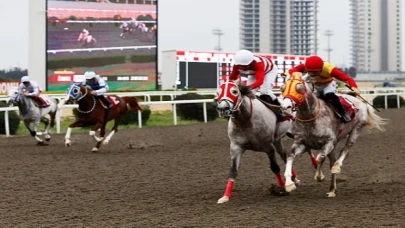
115,38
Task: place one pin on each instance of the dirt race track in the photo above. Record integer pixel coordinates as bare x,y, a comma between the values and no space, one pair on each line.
173,176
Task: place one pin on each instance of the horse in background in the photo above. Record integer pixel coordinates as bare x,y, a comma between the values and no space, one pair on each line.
92,111
32,114
317,126
253,125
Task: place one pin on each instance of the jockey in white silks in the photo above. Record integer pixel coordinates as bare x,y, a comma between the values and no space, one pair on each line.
30,88
98,86
261,73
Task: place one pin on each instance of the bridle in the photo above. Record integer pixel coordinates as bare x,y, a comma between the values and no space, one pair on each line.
236,107
83,96
295,104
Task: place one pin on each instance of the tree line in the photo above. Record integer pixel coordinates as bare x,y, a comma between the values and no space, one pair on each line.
12,74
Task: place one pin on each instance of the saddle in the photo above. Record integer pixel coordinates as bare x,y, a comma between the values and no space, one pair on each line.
40,102
276,109
113,101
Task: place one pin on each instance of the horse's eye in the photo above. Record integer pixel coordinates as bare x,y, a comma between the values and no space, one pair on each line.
75,90
234,92
300,88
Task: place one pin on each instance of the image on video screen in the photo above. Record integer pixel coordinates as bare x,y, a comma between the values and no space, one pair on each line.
115,38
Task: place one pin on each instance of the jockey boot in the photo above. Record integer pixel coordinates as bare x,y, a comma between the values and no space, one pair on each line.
267,98
105,101
333,99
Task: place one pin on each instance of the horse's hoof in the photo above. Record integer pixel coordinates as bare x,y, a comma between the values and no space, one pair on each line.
42,144
95,149
319,178
68,143
335,169
278,191
223,199
331,194
297,182
105,142
290,187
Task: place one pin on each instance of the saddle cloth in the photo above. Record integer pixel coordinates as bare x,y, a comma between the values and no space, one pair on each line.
41,102
113,101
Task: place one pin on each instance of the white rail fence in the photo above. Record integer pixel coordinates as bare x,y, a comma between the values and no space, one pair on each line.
58,116
147,95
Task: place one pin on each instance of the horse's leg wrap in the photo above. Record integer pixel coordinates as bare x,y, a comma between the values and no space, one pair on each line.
236,153
229,188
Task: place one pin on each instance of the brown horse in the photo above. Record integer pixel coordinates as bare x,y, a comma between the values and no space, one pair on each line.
93,112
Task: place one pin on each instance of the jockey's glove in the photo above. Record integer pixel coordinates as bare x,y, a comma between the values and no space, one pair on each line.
355,91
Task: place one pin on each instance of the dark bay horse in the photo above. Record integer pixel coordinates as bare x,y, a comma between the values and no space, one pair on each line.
93,112
253,125
318,127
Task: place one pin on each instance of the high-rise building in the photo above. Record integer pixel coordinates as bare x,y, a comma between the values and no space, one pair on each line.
376,35
279,26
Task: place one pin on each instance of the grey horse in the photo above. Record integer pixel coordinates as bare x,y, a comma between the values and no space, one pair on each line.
252,125
317,127
33,115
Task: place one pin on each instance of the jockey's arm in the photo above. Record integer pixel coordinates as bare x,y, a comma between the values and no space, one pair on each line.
336,73
259,68
102,87
234,74
36,90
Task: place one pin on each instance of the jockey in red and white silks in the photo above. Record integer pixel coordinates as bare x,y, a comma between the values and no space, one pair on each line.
261,71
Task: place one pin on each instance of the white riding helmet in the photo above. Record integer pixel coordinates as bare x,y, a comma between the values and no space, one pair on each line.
89,74
25,79
244,57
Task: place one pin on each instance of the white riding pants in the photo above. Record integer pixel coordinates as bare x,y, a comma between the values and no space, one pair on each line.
268,82
328,88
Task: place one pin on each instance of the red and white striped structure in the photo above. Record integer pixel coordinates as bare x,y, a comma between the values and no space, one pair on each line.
224,61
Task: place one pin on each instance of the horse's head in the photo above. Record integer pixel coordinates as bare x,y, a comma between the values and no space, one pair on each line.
229,97
76,91
294,92
13,96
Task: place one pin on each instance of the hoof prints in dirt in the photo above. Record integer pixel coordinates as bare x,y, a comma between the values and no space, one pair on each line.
173,176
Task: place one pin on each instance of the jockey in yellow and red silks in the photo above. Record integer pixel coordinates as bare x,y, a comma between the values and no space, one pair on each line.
323,75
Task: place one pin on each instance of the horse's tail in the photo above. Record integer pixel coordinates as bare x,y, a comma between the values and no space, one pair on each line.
132,103
375,121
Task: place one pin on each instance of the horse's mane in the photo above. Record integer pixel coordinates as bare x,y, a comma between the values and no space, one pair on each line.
246,91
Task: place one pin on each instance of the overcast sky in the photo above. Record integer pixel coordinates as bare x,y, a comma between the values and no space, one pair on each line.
187,24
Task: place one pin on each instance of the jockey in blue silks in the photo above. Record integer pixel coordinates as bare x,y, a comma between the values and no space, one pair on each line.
98,86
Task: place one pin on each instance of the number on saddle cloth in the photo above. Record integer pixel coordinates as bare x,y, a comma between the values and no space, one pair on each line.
112,100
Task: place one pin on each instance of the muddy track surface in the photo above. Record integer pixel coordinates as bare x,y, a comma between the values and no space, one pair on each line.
173,176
